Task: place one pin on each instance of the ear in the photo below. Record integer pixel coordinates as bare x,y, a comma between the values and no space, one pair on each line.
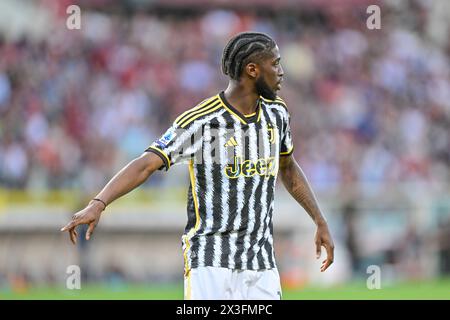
252,70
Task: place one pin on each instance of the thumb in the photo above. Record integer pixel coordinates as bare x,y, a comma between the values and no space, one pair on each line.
318,250
90,230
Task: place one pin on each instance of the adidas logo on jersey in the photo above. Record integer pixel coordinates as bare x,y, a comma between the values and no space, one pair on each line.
231,142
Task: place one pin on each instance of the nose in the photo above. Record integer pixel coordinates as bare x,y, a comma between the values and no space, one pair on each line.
280,72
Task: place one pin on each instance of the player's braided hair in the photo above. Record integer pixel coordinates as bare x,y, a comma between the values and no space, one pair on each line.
241,49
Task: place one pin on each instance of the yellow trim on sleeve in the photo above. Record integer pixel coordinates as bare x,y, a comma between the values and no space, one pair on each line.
163,153
287,152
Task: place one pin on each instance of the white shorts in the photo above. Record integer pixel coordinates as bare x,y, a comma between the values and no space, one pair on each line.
212,283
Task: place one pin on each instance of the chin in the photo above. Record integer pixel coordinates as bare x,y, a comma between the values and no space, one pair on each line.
267,92
270,96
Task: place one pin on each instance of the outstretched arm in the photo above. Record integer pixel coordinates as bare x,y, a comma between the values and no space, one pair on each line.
127,179
296,183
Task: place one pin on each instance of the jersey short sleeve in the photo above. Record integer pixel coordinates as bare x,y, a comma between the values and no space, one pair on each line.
287,145
182,142
178,144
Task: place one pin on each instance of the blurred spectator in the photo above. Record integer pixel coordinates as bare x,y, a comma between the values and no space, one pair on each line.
382,109
349,215
443,236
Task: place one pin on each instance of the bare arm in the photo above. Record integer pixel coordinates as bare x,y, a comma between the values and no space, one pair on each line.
296,183
127,179
130,177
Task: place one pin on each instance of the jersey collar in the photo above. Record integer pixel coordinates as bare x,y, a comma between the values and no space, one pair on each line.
242,118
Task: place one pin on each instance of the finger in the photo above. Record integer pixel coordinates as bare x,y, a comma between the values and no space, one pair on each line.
75,222
68,226
330,258
318,250
326,265
90,230
73,235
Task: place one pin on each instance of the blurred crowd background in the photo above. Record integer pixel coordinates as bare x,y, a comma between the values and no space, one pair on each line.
370,108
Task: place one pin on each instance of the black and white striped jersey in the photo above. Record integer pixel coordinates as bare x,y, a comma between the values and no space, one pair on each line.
233,163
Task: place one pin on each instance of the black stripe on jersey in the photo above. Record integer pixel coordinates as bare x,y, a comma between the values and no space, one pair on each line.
261,244
189,112
245,212
190,211
279,121
271,249
232,210
258,200
263,222
270,199
267,247
200,168
254,233
217,178
278,118
217,214
269,122
281,124
216,196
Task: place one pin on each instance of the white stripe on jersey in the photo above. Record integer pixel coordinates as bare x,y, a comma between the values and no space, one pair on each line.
253,146
275,132
207,161
279,108
225,191
240,193
193,149
277,152
284,118
266,144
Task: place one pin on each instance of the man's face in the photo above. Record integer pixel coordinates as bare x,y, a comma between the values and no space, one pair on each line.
271,75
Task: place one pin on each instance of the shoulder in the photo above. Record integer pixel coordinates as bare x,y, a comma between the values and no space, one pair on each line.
278,104
200,112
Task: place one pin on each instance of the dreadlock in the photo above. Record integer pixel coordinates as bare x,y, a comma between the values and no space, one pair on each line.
242,49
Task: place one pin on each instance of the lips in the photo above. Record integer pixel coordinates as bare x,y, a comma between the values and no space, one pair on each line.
279,83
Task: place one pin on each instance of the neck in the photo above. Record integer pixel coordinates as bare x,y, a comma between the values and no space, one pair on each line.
241,97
